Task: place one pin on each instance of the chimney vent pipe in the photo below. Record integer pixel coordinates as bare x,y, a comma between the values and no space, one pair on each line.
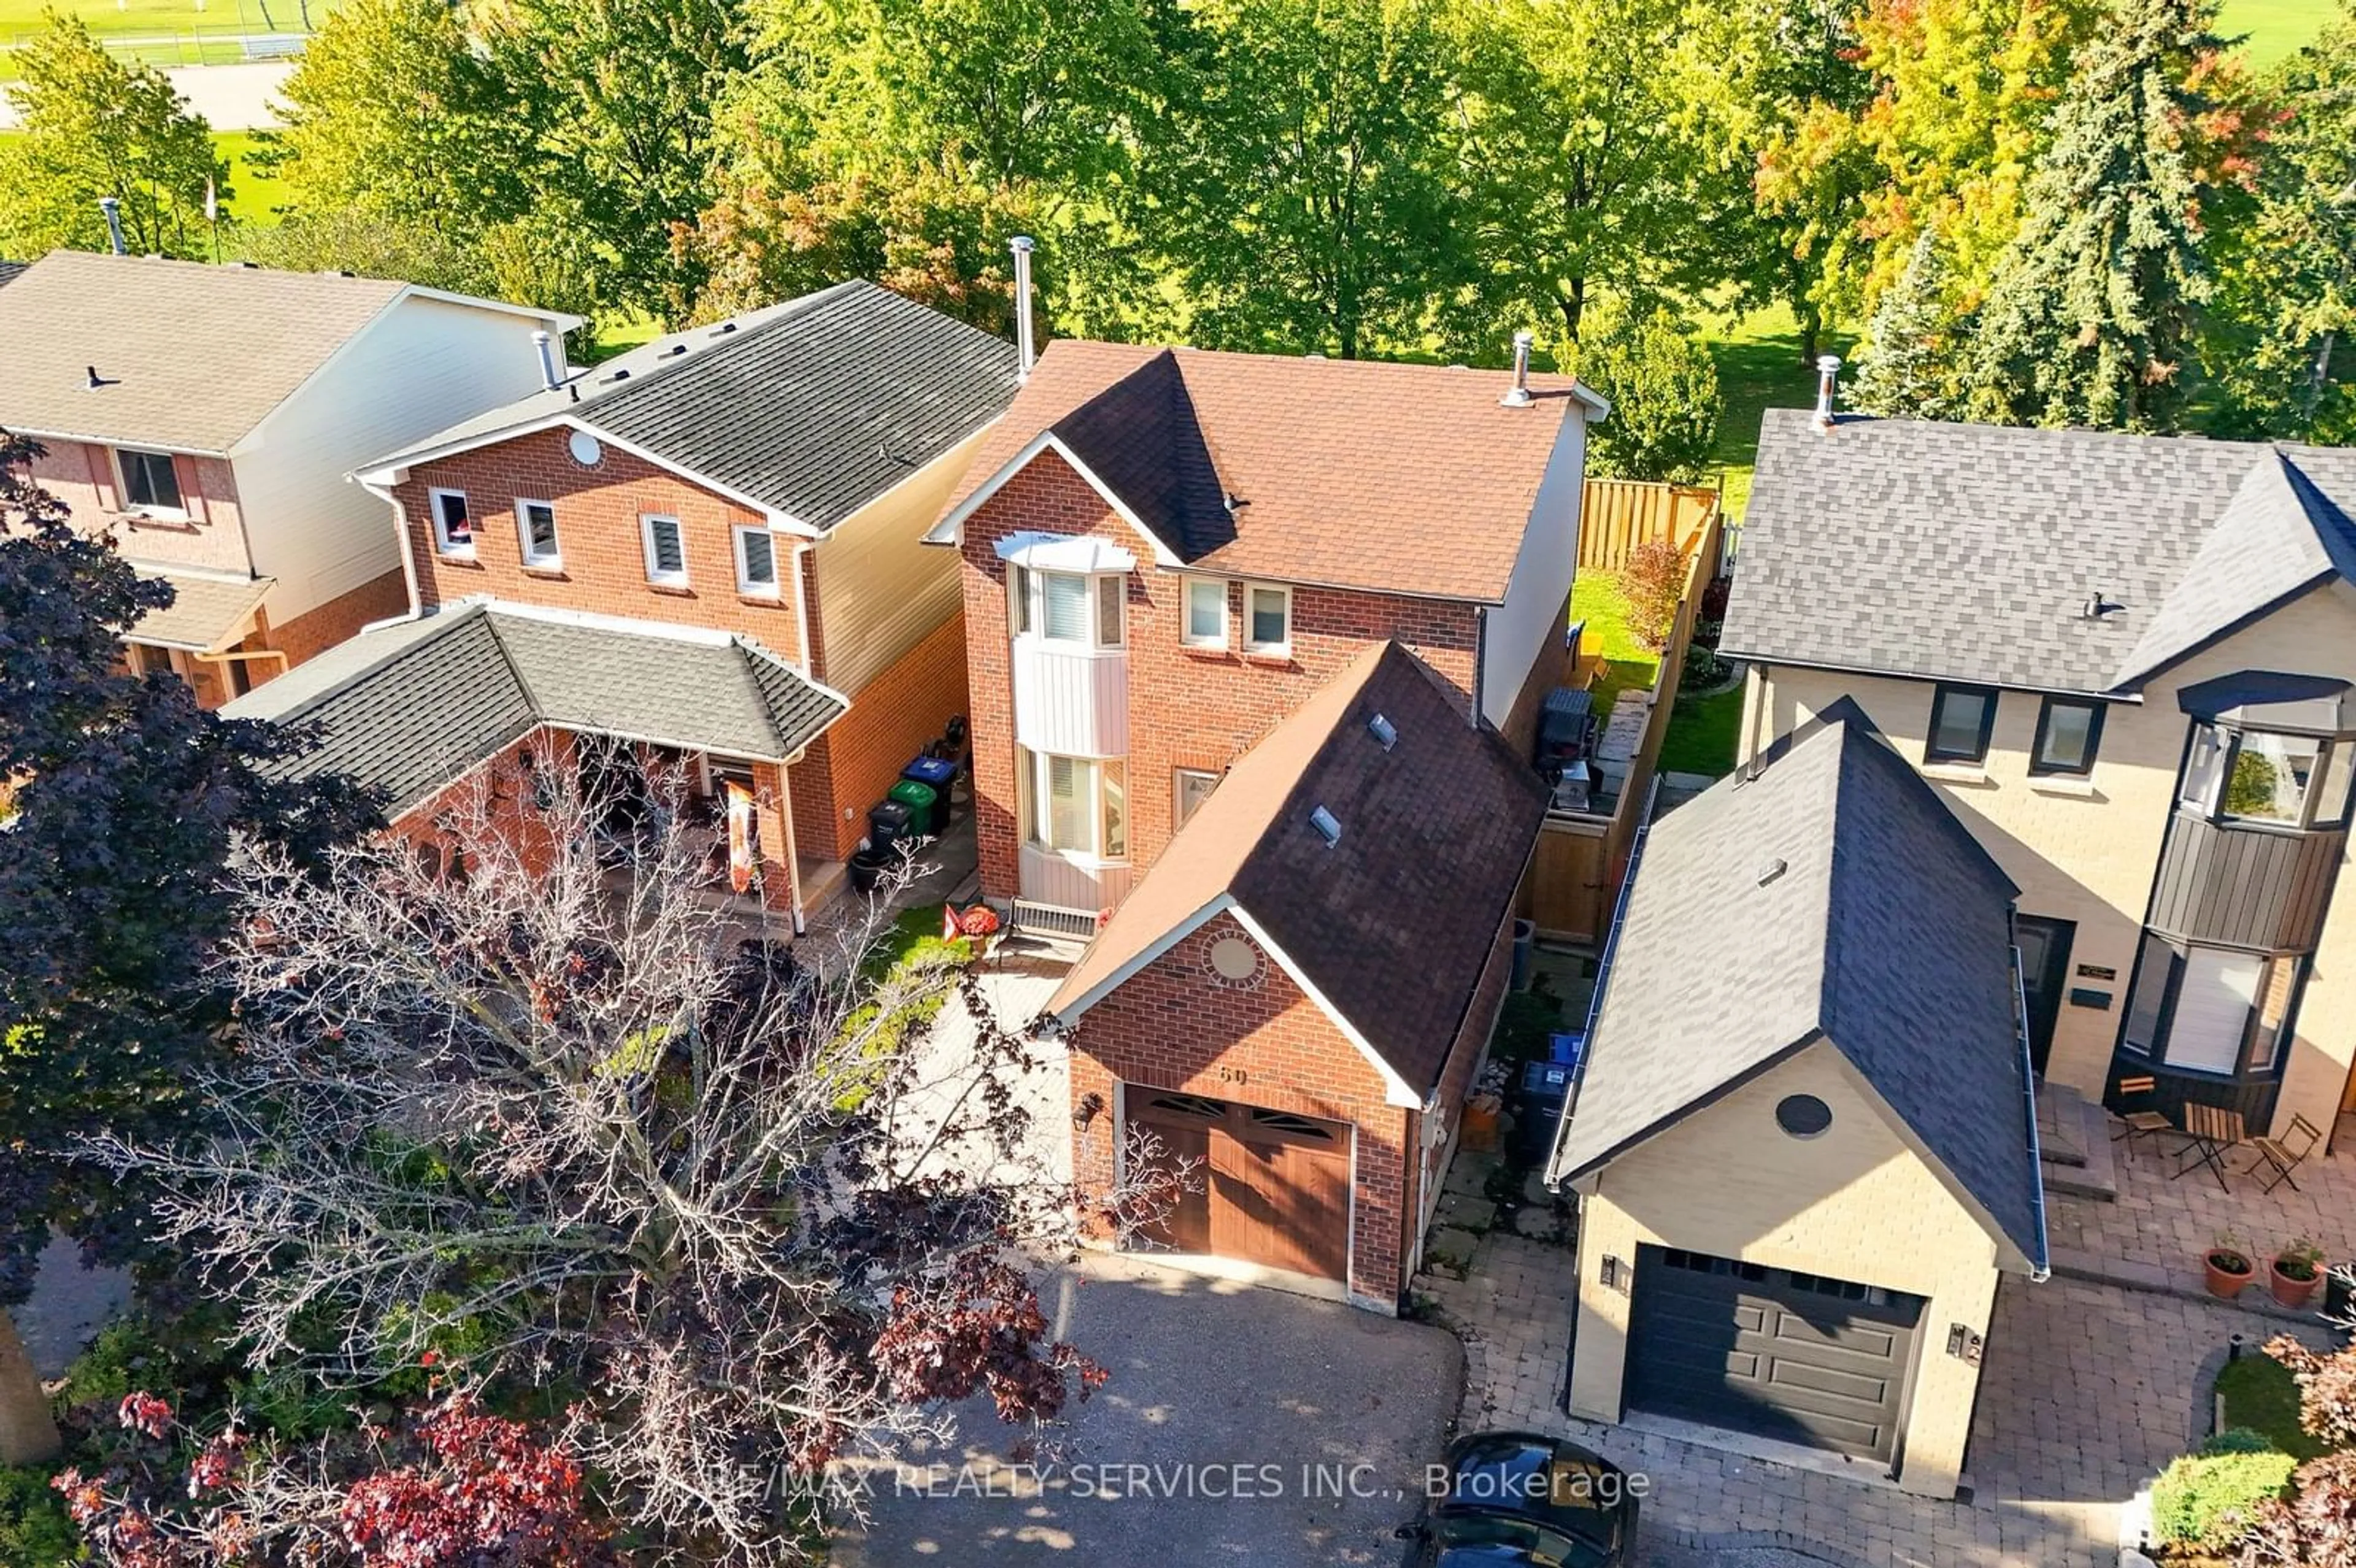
1520,397
112,208
1025,343
1827,375
551,375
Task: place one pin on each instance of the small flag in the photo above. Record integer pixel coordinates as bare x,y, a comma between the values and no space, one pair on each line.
951,927
212,201
740,835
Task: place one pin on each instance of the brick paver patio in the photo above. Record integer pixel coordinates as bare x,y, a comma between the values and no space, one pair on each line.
2087,1392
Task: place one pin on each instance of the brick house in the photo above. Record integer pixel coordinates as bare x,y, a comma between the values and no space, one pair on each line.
1167,550
1294,1000
1186,574
766,479
208,416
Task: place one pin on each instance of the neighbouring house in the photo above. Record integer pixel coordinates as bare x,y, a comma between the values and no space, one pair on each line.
208,416
10,272
770,478
1802,1143
2127,664
485,695
1167,550
1293,1001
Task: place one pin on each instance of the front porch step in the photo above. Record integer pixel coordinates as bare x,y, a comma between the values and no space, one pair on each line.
2074,1138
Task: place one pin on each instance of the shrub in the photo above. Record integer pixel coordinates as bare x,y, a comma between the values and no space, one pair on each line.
1703,667
34,1527
1664,390
1650,583
2206,1499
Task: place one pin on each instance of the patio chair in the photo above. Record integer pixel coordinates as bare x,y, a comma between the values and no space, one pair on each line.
2286,1153
2144,1124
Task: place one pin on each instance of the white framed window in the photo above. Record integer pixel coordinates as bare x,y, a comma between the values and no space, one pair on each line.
1018,595
1079,804
1193,786
757,562
454,528
666,544
1085,610
150,481
1206,613
1268,618
536,533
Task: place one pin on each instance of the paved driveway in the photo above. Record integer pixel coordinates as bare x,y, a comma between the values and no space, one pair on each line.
1325,1417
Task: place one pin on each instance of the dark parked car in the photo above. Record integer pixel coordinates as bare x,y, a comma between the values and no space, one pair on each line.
1520,1499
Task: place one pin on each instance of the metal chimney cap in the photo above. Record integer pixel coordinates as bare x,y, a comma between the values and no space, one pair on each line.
1828,364
1022,242
1518,396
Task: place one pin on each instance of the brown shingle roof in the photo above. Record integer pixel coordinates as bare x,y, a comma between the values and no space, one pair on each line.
1398,478
205,613
1393,923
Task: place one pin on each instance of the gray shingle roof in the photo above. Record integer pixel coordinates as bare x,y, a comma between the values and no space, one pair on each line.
1967,552
411,707
1886,933
812,408
10,272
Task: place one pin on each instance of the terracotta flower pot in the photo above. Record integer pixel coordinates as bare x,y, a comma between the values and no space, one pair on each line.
2294,1293
2224,1282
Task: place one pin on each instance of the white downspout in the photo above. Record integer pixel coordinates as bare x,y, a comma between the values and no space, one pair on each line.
408,562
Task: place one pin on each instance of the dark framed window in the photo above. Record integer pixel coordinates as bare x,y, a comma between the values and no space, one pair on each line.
2218,1011
1962,720
2069,733
2268,779
149,481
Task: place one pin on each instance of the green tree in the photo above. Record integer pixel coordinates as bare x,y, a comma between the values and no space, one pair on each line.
1303,201
91,126
1585,158
1907,369
2090,314
1664,390
2281,349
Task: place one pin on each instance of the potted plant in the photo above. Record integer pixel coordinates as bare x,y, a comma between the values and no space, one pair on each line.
2296,1270
2227,1268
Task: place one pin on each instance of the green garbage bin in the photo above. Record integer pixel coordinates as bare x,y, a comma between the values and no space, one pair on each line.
923,804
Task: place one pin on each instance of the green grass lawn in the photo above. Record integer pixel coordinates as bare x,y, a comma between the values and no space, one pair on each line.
1759,368
2274,27
1702,734
2261,1395
1627,665
167,32
252,194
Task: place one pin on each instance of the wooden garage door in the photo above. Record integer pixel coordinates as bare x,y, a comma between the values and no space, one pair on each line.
1269,1188
1793,1356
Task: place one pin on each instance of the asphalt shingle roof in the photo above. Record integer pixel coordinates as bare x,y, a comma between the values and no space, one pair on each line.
1968,553
10,272
192,356
1392,924
412,707
813,408
205,613
1886,931
1345,472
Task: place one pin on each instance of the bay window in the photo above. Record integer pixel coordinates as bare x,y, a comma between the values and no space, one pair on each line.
1075,805
1082,609
2267,778
2214,1010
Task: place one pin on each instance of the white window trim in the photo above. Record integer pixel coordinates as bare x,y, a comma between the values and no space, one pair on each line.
443,545
1186,611
1035,804
775,587
122,484
1253,646
660,579
1178,816
540,563
1027,609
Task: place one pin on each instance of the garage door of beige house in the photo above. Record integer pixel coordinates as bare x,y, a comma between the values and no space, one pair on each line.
1264,1186
1799,1357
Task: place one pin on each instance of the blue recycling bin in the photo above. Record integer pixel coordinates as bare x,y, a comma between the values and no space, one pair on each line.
933,774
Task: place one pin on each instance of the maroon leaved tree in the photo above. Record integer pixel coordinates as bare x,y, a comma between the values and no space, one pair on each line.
2315,1526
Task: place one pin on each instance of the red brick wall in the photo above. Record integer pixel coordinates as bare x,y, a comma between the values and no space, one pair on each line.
1187,707
1173,1026
852,765
597,534
211,537
322,627
1456,1076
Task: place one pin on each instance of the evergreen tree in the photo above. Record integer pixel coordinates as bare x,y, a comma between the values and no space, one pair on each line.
1906,369
2089,319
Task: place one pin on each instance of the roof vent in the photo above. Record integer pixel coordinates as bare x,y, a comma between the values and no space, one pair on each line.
674,351
544,346
91,379
1518,396
1384,730
1770,870
247,266
2096,606
111,207
1328,826
617,376
723,329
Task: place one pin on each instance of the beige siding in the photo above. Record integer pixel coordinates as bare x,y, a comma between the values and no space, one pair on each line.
1853,1203
2086,850
880,586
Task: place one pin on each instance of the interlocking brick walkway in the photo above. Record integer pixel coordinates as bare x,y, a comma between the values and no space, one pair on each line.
2087,1392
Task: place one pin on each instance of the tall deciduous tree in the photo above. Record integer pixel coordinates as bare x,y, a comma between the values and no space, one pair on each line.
1306,199
738,1213
2090,314
91,126
1664,390
1584,147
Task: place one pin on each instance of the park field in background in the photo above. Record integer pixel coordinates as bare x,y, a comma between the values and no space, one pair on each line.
171,32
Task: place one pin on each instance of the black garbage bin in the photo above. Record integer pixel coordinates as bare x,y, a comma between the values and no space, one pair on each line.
890,824
1538,1105
866,868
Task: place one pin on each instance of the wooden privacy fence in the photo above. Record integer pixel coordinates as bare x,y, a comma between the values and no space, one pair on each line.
1581,856
1618,515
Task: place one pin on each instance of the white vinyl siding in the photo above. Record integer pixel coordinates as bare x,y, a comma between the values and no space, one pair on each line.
666,543
536,533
